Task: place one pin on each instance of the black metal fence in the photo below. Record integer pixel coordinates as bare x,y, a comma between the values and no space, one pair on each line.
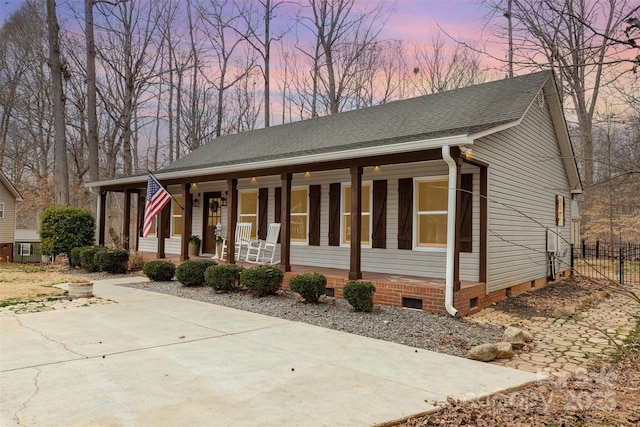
598,260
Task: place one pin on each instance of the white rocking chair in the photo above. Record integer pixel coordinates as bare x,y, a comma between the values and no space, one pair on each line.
259,250
243,238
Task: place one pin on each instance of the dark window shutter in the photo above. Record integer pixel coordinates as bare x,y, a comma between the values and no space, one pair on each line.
263,201
405,213
277,202
334,214
379,214
466,213
314,215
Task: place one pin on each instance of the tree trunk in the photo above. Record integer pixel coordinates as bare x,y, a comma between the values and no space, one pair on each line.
60,148
92,117
267,54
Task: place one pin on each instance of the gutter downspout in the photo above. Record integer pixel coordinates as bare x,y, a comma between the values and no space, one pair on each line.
451,230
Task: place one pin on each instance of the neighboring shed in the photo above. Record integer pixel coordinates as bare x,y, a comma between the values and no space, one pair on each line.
9,198
27,246
463,192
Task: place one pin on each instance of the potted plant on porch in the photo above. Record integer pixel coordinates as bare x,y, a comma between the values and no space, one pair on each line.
194,245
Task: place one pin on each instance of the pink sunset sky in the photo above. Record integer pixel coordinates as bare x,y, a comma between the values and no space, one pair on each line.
413,21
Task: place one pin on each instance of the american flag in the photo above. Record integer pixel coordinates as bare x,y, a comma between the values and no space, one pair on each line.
157,198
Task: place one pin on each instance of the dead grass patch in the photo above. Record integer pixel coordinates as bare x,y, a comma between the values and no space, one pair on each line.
22,282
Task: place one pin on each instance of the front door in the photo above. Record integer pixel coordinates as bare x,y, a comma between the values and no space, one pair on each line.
212,214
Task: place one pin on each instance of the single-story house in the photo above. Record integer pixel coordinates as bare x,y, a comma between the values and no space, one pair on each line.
447,201
9,198
27,246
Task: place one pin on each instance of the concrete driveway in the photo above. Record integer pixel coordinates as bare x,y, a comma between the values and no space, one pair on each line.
157,360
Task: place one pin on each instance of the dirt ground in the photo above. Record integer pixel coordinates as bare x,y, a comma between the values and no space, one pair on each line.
608,397
604,394
19,282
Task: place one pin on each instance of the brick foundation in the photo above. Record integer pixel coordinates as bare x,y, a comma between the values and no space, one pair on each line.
432,296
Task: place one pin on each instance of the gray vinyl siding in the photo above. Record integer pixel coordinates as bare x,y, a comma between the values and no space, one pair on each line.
525,174
8,222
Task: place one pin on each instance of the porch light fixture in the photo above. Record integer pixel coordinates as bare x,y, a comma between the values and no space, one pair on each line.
194,186
307,174
254,179
468,154
376,168
196,203
223,201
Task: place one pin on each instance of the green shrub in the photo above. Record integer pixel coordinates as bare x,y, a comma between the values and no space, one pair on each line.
63,228
191,273
262,280
114,261
309,285
87,258
359,295
74,257
224,277
159,270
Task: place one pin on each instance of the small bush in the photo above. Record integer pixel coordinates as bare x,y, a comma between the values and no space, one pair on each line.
262,280
223,278
159,270
87,255
114,261
74,258
191,273
359,295
309,285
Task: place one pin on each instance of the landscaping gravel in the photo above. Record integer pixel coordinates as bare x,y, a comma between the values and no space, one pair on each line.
414,328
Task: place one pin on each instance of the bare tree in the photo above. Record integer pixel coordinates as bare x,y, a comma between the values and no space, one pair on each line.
574,38
56,66
259,35
92,114
222,19
342,36
128,54
438,68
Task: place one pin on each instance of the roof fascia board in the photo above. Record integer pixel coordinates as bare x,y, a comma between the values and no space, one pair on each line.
403,147
562,135
495,129
13,190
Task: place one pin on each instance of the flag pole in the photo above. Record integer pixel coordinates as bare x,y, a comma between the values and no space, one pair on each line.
168,192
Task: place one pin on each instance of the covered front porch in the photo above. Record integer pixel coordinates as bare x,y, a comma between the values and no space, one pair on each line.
339,231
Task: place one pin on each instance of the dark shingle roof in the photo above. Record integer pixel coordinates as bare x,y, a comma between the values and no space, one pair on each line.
456,112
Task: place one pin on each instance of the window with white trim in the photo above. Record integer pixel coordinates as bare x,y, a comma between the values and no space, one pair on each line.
248,210
176,216
299,214
25,249
431,198
365,226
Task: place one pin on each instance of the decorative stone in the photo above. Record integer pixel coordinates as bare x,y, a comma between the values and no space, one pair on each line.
80,290
483,352
564,312
505,350
517,337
